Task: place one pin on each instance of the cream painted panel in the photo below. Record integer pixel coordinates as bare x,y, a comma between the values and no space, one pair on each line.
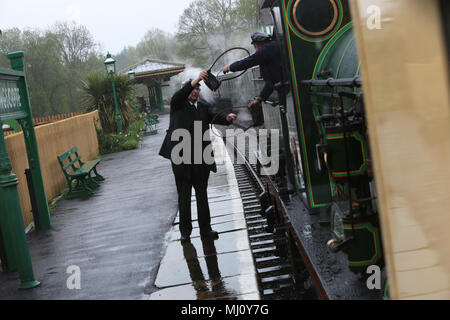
406,94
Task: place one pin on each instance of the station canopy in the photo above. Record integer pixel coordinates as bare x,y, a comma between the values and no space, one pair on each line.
154,74
153,71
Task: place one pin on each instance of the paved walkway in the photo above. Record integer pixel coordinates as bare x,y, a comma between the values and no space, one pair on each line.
124,238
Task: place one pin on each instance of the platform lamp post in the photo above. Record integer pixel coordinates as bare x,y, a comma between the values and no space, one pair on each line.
132,76
110,65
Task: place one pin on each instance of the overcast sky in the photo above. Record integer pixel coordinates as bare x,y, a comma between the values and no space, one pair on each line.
115,24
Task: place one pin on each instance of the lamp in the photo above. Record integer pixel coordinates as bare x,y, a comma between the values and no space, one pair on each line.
110,65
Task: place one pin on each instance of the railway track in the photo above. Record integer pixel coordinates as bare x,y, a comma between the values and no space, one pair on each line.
269,247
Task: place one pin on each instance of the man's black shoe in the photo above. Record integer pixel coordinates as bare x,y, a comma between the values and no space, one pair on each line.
210,235
185,239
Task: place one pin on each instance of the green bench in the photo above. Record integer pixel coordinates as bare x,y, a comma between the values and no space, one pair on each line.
153,116
79,174
150,121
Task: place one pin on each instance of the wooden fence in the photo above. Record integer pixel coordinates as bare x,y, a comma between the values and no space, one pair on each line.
52,139
37,121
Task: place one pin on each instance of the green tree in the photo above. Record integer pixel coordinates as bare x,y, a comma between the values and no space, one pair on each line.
56,60
45,72
156,44
125,58
43,65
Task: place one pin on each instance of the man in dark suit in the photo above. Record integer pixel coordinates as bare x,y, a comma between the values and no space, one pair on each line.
189,115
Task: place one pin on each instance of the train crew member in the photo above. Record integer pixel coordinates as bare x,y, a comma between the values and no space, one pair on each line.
267,56
186,112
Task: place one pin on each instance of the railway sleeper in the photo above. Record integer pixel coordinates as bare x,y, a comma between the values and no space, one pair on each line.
271,241
249,197
252,216
252,211
249,207
260,236
276,269
251,201
285,291
275,281
260,228
256,222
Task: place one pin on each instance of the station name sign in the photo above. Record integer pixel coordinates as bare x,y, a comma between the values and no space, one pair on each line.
9,97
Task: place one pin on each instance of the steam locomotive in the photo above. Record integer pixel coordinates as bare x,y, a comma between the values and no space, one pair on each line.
324,197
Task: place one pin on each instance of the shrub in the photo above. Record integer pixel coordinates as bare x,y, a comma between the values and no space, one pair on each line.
112,142
99,96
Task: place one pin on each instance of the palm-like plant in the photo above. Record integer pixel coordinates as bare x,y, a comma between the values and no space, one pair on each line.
99,96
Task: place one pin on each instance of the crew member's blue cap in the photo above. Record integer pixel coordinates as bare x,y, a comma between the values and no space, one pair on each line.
259,37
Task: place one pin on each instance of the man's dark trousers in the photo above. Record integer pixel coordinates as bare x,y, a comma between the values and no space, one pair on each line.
186,177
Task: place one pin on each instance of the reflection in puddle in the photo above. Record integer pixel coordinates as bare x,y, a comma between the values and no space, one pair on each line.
215,287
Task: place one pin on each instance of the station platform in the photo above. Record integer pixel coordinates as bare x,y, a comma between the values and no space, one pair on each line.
207,269
125,238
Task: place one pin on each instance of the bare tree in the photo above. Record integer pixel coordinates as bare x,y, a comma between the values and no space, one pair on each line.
76,43
208,27
79,55
10,40
248,14
194,25
156,44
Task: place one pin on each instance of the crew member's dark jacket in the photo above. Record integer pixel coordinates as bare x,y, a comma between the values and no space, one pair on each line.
268,58
183,115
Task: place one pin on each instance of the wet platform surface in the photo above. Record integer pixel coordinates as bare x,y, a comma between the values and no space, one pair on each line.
207,269
116,237
125,238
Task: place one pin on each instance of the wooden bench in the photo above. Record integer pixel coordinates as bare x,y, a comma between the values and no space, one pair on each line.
76,170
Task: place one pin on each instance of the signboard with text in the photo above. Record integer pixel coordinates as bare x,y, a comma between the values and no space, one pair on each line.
10,102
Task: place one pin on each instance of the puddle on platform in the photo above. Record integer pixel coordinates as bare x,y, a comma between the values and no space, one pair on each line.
217,218
242,287
219,197
209,267
221,191
228,242
220,208
220,228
